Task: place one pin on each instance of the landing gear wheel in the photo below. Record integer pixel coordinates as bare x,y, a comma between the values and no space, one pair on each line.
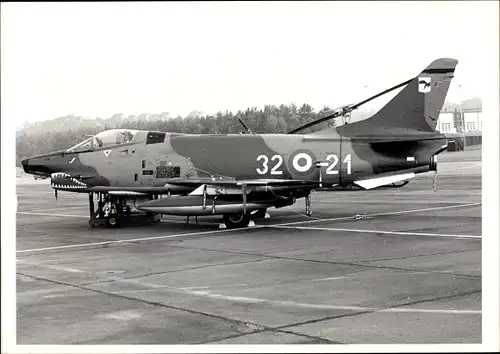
260,214
113,221
235,221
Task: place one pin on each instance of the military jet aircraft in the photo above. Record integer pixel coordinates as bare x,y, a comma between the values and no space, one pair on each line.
240,176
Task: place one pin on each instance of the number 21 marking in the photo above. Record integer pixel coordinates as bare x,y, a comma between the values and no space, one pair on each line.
330,170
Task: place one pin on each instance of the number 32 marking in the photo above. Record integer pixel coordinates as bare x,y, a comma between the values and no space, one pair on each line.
265,168
274,170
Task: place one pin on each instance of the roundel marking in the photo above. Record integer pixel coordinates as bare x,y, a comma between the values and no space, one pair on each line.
302,162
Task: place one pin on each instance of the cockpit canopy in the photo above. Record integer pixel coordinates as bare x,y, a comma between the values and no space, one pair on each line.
105,138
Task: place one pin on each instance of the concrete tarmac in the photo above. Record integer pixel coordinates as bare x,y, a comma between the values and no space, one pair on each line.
384,266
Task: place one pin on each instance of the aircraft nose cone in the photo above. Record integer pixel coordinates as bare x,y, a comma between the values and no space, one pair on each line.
39,165
25,164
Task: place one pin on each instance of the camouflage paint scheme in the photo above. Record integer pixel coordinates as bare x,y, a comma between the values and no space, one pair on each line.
399,139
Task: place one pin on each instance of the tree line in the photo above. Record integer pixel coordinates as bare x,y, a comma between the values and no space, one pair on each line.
34,139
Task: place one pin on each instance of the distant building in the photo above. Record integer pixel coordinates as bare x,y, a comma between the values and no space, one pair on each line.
460,121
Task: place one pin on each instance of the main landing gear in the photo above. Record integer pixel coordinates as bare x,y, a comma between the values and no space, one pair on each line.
236,221
239,220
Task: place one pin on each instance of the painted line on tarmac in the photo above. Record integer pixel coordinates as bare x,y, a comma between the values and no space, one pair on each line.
294,304
331,278
80,258
127,240
163,221
444,311
38,292
214,286
361,275
288,303
63,269
451,171
403,233
478,162
49,214
281,303
380,214
235,230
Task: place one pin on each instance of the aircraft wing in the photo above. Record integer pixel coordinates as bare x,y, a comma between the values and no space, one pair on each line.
233,186
234,182
237,186
190,185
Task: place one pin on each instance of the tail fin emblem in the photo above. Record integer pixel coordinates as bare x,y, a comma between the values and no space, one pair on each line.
424,84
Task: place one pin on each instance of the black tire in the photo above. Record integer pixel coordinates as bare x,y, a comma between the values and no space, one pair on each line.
260,214
236,221
113,221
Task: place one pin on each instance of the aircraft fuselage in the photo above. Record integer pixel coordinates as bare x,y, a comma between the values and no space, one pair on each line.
339,160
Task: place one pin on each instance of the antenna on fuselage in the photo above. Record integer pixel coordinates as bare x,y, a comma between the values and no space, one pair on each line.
244,126
345,111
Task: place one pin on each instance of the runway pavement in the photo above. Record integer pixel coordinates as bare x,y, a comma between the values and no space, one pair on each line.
385,266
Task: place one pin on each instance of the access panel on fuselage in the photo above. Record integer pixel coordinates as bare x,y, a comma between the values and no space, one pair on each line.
160,162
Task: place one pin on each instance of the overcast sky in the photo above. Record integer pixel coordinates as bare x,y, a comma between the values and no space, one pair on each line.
98,59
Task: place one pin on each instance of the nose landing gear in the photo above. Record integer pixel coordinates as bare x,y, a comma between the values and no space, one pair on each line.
113,221
113,212
108,212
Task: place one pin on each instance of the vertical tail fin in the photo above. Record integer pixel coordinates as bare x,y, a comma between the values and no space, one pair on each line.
417,106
